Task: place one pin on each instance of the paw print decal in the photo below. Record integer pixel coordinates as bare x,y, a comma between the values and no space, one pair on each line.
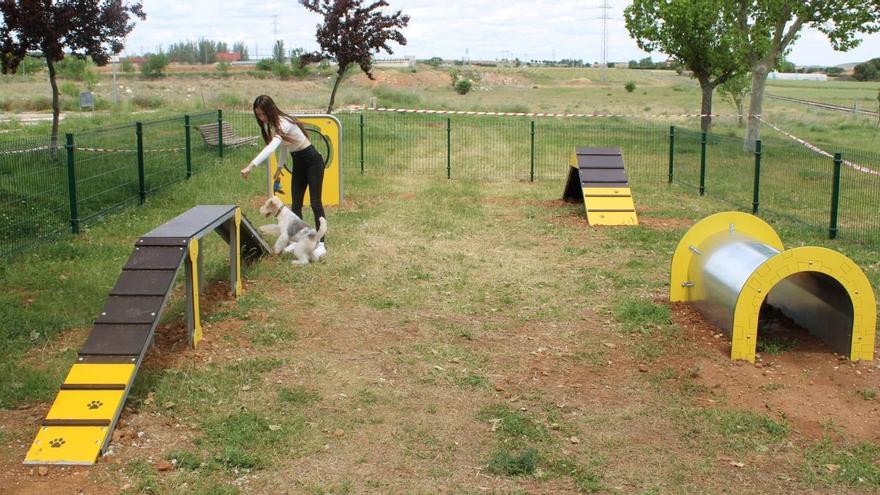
56,442
95,404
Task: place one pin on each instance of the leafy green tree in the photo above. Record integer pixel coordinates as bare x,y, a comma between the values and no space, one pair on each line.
242,50
766,29
694,32
154,66
298,70
351,33
278,52
736,89
79,28
867,71
786,66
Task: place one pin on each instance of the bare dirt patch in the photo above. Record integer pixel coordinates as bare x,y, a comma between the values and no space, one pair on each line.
500,79
815,391
403,80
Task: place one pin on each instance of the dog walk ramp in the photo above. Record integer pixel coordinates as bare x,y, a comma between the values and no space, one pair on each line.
598,179
80,421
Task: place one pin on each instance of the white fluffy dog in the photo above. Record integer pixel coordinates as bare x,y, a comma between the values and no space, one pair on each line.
294,235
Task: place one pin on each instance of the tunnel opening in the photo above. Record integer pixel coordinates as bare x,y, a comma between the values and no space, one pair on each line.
807,311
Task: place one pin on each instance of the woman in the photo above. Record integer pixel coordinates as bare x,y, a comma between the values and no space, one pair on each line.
283,131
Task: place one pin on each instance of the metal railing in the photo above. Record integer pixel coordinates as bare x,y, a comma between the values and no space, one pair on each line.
92,173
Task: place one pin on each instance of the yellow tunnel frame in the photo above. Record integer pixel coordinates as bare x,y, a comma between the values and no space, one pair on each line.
767,275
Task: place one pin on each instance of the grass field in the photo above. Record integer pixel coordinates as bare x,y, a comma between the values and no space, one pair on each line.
463,336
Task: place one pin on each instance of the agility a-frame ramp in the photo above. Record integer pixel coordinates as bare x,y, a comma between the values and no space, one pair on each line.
730,264
80,422
597,179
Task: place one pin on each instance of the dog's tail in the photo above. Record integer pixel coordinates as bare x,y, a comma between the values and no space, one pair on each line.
322,230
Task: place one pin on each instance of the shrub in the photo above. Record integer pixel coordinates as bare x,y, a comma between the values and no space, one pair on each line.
78,69
154,66
223,67
630,86
67,88
282,70
147,101
127,65
30,65
463,86
265,64
38,104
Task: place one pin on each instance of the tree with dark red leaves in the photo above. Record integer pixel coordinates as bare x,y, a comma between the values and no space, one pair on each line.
351,33
84,28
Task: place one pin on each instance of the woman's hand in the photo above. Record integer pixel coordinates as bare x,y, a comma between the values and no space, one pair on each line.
246,171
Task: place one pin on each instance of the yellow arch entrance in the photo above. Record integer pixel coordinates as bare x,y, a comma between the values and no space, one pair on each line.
729,264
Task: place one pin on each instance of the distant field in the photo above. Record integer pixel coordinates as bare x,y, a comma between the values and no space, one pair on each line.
501,89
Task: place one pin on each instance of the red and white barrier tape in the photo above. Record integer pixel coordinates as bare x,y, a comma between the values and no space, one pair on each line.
816,149
110,150
19,152
96,150
541,114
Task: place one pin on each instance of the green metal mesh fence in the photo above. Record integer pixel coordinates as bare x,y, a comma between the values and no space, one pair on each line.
33,192
686,158
796,184
860,196
106,171
109,170
729,171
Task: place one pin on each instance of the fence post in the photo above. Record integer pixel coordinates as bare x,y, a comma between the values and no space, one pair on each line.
142,183
835,196
703,164
757,187
362,143
448,148
187,144
671,152
220,131
71,186
532,169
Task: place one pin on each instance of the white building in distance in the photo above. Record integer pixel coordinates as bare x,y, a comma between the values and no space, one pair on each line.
795,76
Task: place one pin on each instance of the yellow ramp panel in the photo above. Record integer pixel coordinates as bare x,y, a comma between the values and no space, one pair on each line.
86,404
79,445
612,218
99,374
607,191
610,203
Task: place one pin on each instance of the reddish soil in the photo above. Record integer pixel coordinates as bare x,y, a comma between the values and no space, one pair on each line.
817,392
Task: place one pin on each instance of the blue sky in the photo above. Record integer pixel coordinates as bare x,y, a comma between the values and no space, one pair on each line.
482,29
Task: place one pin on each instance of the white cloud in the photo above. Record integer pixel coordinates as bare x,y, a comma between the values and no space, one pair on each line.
487,29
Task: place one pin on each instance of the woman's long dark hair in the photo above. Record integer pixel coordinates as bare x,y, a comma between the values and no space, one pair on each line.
273,115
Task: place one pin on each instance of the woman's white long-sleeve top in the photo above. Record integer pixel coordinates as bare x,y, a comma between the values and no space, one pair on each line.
298,141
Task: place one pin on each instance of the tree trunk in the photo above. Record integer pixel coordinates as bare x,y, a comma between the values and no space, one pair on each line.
339,74
760,71
706,106
56,110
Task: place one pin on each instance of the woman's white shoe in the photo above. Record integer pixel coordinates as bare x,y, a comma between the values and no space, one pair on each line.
320,251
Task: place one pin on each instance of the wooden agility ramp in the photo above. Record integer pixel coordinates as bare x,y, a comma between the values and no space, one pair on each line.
80,422
598,179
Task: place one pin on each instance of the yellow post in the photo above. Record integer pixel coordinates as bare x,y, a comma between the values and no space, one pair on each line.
193,264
